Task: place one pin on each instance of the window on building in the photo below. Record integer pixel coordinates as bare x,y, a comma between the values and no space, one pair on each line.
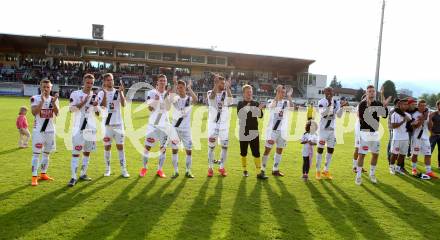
171,57
212,60
73,51
198,59
185,58
91,51
221,61
58,48
138,54
123,53
155,55
106,52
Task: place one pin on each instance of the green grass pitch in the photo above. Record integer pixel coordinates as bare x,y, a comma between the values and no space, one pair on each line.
234,207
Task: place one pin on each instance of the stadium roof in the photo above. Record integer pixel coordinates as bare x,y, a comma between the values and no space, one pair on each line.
19,42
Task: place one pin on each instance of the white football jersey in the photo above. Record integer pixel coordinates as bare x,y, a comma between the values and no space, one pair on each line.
219,111
400,133
113,115
159,116
44,120
182,112
85,117
421,132
328,113
278,115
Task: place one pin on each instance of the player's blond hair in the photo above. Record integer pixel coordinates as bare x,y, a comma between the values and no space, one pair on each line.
246,86
107,75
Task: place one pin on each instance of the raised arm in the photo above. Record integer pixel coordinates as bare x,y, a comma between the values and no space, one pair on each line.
191,92
55,104
36,109
122,95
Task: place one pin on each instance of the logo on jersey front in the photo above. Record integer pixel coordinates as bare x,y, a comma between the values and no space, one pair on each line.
46,113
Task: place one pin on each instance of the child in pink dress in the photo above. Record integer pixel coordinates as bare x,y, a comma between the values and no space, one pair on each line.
22,126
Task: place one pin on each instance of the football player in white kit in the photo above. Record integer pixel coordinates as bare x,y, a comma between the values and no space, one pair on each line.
276,131
219,100
420,139
329,108
84,105
182,103
45,109
400,122
158,129
113,99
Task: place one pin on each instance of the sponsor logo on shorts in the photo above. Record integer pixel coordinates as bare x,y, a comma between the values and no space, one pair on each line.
175,142
365,148
78,148
270,141
211,139
416,149
397,149
322,142
150,140
39,145
106,139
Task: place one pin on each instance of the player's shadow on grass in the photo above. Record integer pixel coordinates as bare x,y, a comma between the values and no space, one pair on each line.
6,194
200,218
409,210
332,213
355,213
111,217
9,151
246,213
430,187
146,212
286,210
43,209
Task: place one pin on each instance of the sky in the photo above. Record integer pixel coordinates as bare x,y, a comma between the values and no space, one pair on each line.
341,35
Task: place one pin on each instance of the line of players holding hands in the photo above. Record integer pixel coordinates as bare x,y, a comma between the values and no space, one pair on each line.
85,104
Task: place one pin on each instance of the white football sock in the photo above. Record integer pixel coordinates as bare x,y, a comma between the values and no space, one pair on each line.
175,159
35,164
318,162
355,163
358,172
44,162
145,158
264,162
372,170
328,159
85,165
223,155
107,157
276,161
428,168
210,157
74,166
162,157
188,162
122,160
